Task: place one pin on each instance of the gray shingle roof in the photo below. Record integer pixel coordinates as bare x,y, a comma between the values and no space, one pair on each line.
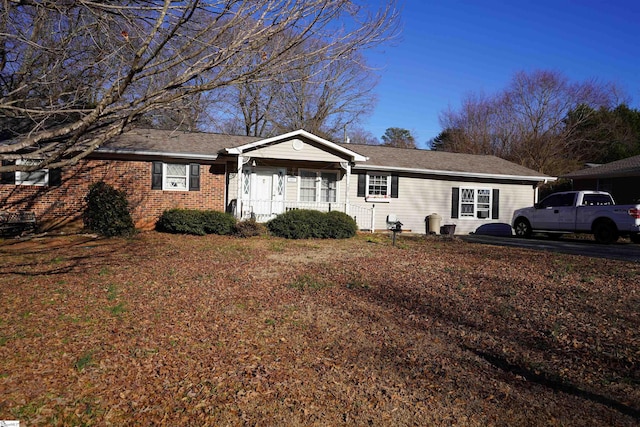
405,158
620,168
173,141
154,141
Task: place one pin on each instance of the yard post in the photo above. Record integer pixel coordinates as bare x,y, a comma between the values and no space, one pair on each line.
373,218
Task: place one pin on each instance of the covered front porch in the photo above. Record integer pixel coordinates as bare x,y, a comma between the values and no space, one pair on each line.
264,210
293,171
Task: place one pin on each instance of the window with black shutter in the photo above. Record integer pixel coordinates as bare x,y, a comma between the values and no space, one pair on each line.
38,177
475,203
194,177
378,186
175,176
7,177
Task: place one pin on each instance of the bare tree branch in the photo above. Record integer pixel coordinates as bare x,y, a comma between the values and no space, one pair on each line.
75,73
527,122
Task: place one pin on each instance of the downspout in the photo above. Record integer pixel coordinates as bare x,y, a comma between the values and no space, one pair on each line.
535,194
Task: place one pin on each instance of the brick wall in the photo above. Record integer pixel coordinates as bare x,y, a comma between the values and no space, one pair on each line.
63,205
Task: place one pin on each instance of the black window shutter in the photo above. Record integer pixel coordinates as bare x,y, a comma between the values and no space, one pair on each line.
455,198
156,176
194,177
394,186
55,177
495,208
362,183
7,177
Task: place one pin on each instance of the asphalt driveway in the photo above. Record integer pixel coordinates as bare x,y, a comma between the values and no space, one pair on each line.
620,250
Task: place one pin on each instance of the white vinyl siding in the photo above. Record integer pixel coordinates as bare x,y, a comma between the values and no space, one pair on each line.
420,197
304,151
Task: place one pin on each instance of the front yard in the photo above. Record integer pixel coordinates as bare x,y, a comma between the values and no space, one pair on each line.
181,330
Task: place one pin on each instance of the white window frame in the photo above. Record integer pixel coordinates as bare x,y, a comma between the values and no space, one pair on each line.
246,183
477,205
26,178
384,198
318,185
165,177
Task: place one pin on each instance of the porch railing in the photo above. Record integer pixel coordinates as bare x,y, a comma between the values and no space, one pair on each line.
264,210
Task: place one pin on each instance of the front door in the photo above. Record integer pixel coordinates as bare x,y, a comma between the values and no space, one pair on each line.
266,192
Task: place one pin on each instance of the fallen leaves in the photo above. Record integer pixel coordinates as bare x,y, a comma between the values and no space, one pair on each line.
216,330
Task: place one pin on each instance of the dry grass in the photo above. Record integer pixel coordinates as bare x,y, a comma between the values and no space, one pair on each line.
181,330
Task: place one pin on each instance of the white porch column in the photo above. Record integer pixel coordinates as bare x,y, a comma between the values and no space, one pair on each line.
347,167
239,178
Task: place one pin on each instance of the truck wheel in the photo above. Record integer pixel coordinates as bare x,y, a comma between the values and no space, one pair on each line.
522,228
635,238
605,232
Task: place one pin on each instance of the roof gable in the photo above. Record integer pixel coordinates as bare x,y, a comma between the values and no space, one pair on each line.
299,135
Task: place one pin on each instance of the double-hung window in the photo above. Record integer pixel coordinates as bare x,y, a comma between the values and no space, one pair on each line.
474,203
175,176
377,186
317,186
36,177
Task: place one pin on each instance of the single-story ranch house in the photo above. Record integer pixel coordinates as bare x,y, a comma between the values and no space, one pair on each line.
260,178
620,178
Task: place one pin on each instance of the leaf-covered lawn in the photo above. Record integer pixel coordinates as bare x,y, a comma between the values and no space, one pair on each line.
180,330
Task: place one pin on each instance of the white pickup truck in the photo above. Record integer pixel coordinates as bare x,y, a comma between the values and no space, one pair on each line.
579,212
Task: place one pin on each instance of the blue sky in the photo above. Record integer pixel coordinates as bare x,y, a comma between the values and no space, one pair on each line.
450,48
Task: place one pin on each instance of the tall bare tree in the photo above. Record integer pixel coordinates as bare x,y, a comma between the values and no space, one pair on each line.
326,97
73,74
323,96
526,123
359,135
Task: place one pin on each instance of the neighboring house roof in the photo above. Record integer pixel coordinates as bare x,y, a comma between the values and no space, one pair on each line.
173,143
620,168
443,163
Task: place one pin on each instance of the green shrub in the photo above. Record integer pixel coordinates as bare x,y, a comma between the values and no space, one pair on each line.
340,225
182,221
216,222
305,224
107,211
290,225
249,228
316,223
193,221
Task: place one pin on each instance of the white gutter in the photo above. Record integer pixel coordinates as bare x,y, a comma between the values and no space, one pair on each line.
454,173
159,154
